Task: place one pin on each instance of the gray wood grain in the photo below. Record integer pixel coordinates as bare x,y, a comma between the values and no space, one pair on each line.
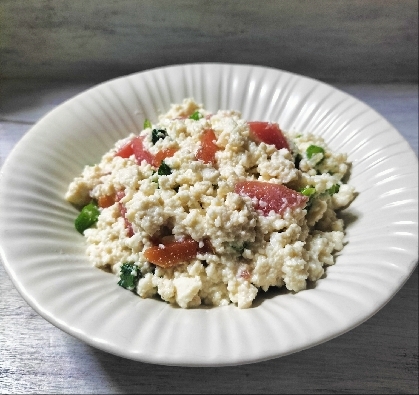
332,40
379,356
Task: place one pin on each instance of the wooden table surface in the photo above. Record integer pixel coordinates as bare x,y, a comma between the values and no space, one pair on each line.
379,356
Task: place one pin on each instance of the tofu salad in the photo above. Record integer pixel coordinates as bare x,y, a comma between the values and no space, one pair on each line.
209,208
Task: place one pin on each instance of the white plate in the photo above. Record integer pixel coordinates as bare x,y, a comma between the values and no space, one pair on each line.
44,255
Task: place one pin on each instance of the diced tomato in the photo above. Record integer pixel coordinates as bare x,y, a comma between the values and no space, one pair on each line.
105,201
207,247
140,152
161,155
126,150
136,147
119,196
245,274
268,133
208,148
173,253
123,210
270,196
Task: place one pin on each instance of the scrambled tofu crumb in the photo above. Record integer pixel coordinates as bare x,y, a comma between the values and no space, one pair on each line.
173,208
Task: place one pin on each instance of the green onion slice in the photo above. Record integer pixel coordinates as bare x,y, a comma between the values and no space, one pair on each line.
313,150
239,248
129,275
196,116
334,189
158,134
164,169
308,191
87,217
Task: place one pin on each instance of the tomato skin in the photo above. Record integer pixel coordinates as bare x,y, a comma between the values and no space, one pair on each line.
206,153
270,196
161,155
140,152
105,201
207,248
173,253
136,147
123,210
125,151
268,133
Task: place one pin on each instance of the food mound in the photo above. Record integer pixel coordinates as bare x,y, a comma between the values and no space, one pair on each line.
204,208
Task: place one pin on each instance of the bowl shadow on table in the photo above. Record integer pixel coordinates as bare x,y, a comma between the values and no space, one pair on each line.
127,376
341,365
318,368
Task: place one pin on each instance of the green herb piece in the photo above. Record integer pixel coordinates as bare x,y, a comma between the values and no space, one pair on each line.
313,150
164,170
239,248
154,178
297,161
308,191
87,217
196,116
334,189
147,124
157,134
129,275
309,202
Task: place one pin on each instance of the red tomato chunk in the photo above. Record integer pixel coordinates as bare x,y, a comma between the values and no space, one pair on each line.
206,153
268,133
125,151
271,196
173,253
105,201
123,210
140,152
161,155
136,147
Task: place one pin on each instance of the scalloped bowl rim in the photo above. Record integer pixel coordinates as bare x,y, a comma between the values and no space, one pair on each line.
86,303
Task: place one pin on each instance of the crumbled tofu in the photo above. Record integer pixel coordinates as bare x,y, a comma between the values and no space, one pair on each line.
251,249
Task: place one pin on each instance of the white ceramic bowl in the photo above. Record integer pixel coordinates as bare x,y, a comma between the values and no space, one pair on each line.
45,258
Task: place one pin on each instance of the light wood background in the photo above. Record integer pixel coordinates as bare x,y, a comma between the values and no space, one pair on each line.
333,40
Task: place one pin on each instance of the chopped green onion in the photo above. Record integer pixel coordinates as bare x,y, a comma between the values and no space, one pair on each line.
308,191
147,124
313,150
196,116
158,134
87,217
154,178
239,248
164,169
334,189
129,276
297,161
